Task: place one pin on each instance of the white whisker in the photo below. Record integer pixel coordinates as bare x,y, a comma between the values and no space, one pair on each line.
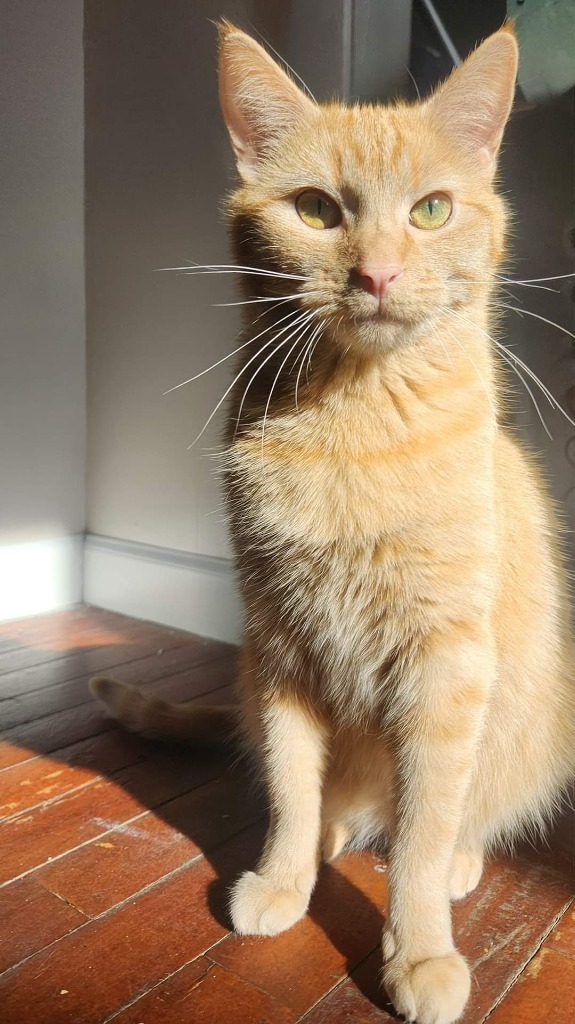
301,334
283,61
437,334
274,298
548,394
527,369
533,280
317,330
230,354
304,318
475,367
529,312
310,357
230,268
528,284
530,393
236,378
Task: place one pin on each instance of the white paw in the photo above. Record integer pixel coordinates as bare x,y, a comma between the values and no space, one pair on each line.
433,991
466,871
258,907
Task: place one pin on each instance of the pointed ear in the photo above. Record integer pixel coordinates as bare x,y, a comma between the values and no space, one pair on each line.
258,99
474,103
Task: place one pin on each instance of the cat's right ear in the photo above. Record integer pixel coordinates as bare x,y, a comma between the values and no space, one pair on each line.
475,101
259,100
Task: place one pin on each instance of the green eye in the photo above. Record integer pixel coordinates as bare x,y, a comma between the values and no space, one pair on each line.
317,211
433,211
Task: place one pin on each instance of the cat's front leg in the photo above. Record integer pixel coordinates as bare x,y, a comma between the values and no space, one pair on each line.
276,895
444,700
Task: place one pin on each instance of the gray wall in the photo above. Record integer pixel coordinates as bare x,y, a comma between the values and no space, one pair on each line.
157,164
42,383
537,171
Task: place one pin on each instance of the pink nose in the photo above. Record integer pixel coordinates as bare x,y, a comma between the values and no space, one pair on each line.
375,278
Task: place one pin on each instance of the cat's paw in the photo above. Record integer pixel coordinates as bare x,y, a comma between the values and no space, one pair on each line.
258,907
433,991
466,871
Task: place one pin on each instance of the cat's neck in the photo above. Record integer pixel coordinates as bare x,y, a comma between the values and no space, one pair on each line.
363,401
445,375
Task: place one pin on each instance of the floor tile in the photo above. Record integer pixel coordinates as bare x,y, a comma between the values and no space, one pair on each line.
544,994
343,924
562,938
205,994
119,863
31,918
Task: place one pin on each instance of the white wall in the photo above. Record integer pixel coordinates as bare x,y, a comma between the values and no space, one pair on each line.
42,371
157,164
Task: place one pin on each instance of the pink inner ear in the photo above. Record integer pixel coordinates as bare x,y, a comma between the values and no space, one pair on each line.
474,103
259,101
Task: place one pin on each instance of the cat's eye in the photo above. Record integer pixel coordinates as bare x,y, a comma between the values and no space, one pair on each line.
433,211
317,211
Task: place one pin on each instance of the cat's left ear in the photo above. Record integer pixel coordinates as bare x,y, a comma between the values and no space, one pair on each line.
474,103
258,100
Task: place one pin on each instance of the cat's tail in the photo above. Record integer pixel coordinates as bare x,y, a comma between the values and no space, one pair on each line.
158,719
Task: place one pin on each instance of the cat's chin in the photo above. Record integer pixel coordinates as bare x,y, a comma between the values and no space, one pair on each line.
379,331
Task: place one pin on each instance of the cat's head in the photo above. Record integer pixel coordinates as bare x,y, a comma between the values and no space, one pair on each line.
388,212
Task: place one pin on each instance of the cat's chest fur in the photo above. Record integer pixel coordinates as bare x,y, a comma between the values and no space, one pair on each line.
353,546
351,472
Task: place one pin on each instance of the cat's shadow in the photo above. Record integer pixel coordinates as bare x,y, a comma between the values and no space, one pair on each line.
156,773
350,920
337,906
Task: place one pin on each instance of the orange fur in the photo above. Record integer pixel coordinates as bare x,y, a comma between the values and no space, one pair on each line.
406,666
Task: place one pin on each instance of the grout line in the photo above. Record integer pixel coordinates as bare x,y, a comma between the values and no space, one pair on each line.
338,984
107,671
142,995
109,721
215,945
117,828
28,760
10,650
88,628
68,652
75,674
52,800
72,849
175,871
530,957
248,981
67,902
157,882
76,653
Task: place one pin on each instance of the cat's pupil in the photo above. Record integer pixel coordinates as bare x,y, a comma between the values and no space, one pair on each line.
430,207
319,206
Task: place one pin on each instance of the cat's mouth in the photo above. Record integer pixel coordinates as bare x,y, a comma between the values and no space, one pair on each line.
379,316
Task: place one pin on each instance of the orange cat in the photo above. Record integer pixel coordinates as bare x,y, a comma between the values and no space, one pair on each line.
405,667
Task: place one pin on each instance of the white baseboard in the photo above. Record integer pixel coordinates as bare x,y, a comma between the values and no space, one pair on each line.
174,588
40,576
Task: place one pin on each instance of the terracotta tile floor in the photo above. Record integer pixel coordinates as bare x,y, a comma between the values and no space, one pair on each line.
116,855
